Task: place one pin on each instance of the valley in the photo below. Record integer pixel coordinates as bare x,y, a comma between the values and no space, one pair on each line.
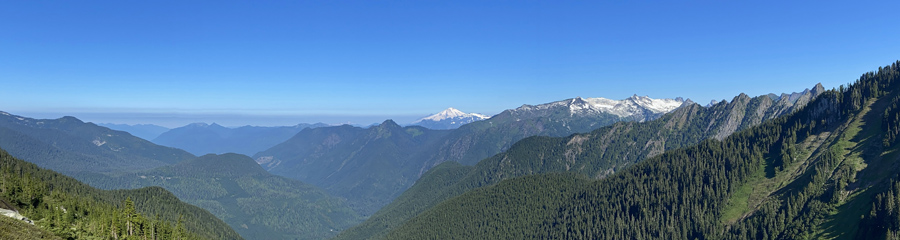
393,120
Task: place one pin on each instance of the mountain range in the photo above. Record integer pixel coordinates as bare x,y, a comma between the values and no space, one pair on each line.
637,108
145,131
596,154
201,138
370,167
233,187
69,145
813,164
824,171
481,139
259,205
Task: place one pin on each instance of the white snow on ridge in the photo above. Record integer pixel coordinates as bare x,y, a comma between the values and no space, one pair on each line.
623,108
656,105
451,113
479,116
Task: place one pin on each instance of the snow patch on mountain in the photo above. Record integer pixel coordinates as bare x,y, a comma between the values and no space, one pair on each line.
450,118
451,113
634,105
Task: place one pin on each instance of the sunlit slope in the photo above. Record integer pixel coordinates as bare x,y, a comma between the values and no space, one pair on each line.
816,173
71,209
257,204
595,154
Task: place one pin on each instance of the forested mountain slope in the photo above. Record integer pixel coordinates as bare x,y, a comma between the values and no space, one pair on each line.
826,171
233,187
370,167
255,203
69,145
596,154
201,138
66,208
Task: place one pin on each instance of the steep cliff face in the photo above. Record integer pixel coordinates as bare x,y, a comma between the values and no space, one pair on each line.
744,111
626,143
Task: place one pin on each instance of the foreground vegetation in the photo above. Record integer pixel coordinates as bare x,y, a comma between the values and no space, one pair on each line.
255,203
72,210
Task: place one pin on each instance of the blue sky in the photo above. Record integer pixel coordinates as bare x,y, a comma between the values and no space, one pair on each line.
285,62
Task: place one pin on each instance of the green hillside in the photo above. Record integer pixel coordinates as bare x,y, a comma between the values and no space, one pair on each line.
596,154
70,209
367,166
257,204
14,229
825,172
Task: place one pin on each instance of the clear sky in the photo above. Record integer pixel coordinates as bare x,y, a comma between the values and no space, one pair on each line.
285,62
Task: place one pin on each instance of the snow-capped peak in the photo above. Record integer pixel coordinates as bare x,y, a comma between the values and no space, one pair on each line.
656,105
451,113
623,108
